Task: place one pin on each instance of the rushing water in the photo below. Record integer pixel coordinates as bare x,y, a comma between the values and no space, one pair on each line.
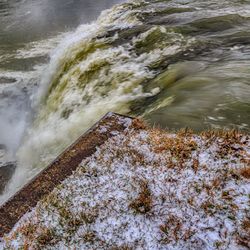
176,63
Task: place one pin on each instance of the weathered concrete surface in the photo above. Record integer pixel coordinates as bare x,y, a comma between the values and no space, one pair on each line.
24,200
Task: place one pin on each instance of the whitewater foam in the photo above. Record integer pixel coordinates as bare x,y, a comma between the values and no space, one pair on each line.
88,76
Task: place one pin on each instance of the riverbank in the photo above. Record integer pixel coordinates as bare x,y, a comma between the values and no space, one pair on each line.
146,188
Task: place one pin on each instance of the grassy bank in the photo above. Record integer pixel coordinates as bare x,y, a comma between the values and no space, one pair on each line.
148,189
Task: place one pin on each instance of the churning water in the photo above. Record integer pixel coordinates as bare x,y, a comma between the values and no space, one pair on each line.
182,63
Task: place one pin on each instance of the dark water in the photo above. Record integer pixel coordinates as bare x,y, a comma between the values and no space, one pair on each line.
182,63
24,21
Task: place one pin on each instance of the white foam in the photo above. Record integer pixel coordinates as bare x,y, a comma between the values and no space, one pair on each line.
119,77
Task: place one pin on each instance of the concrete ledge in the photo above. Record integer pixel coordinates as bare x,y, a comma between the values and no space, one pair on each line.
40,186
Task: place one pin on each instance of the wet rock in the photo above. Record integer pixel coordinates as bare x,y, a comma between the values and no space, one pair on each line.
2,147
6,172
7,80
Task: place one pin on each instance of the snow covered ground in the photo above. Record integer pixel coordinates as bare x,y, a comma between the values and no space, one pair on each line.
148,189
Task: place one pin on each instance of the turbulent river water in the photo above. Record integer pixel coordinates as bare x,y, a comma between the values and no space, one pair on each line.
177,63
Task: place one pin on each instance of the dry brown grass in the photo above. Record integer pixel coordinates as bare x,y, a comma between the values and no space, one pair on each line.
244,233
89,237
171,229
185,132
138,124
209,207
245,172
216,182
126,150
229,142
88,217
68,220
143,203
195,165
234,136
226,196
26,246
123,247
28,230
177,148
46,237
36,236
246,225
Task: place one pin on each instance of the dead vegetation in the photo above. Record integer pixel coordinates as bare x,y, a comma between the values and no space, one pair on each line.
244,233
123,247
138,124
229,142
89,237
170,183
143,203
231,136
28,230
245,172
46,237
88,217
172,228
36,236
177,148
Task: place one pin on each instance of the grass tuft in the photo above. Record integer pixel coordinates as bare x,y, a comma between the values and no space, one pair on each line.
138,124
245,172
143,203
244,233
171,229
46,237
